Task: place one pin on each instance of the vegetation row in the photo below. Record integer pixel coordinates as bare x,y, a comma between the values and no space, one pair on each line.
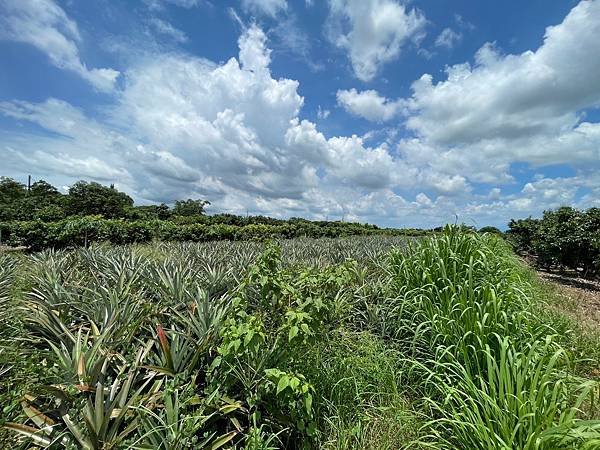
39,217
81,231
565,238
367,342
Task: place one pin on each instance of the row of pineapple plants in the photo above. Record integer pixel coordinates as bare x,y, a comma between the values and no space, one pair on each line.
174,346
370,342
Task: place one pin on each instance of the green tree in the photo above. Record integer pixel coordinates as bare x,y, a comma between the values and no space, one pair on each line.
189,207
562,238
44,191
523,232
151,212
94,199
44,202
11,190
11,193
488,229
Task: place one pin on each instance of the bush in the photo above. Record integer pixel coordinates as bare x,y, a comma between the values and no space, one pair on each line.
563,238
492,230
80,231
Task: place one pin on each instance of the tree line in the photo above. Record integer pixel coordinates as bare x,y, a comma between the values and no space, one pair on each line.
565,238
42,201
40,216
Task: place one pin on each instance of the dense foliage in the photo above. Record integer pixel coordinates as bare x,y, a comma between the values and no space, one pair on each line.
42,201
367,343
42,217
81,231
562,238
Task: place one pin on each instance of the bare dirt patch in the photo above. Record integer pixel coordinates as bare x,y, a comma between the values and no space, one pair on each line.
582,295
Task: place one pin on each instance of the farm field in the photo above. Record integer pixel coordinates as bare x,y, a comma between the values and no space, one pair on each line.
368,342
299,225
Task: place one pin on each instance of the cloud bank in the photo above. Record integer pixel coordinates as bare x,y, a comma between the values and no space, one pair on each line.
179,125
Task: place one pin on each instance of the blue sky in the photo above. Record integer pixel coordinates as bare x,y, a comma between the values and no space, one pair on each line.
396,113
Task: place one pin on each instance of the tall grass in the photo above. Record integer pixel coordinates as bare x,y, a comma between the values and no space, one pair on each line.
493,375
363,405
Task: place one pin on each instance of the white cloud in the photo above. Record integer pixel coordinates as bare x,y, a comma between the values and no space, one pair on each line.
512,108
535,197
462,23
229,132
369,104
423,201
165,28
473,126
46,26
513,96
265,7
78,148
495,193
66,164
160,4
372,32
444,183
553,192
448,38
254,55
352,163
185,3
323,113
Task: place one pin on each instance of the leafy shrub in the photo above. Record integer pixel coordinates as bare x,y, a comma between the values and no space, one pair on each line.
564,238
81,231
492,230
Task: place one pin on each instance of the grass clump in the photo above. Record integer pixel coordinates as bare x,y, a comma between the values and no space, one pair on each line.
363,405
494,375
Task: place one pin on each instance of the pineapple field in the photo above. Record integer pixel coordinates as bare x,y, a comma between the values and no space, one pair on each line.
367,342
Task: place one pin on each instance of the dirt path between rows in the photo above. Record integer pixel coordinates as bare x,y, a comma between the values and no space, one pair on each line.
582,295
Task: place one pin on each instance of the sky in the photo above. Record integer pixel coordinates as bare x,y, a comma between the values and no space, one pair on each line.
398,113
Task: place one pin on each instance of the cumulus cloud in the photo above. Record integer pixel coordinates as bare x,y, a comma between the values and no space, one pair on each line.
423,200
46,26
369,104
483,117
536,196
372,32
533,93
78,147
185,126
507,108
254,54
231,132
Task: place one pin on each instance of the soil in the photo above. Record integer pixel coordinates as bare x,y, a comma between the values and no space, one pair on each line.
583,296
